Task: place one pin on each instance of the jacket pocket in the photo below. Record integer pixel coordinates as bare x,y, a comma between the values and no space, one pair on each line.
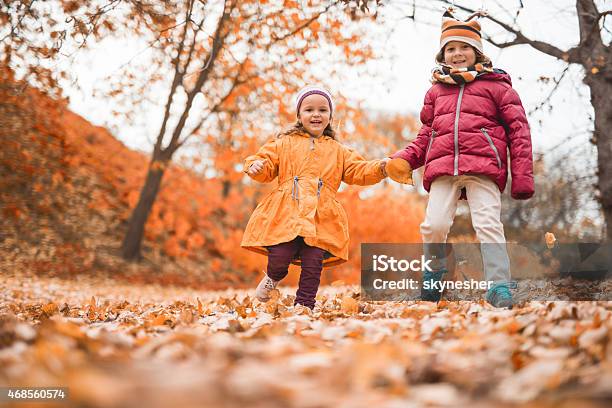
431,138
342,218
486,134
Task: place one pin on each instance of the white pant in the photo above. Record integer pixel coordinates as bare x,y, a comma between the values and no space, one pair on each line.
484,200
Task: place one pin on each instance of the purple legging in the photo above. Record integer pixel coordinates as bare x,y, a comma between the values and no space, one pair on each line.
279,258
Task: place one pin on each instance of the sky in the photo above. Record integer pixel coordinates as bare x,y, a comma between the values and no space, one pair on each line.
398,79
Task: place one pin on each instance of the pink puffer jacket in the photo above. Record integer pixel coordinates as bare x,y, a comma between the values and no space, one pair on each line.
469,129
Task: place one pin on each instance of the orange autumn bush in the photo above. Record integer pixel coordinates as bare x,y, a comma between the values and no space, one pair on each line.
70,184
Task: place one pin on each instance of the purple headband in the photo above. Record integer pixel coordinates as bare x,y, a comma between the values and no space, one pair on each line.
314,92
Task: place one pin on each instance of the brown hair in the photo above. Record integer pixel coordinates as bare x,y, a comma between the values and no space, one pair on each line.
298,127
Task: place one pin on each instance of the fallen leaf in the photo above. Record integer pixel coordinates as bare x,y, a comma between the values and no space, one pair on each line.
349,305
50,309
186,316
200,311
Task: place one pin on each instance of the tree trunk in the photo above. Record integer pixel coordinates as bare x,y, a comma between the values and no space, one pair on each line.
227,185
130,248
600,85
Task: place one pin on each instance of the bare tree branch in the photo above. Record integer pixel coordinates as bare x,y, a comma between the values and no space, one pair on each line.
571,55
149,46
93,21
305,24
513,16
218,40
551,93
178,77
192,47
214,109
13,30
588,22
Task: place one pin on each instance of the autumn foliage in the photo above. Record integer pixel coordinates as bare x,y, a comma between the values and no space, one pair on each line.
68,188
113,345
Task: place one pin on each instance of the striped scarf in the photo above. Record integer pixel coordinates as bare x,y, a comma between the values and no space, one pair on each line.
458,76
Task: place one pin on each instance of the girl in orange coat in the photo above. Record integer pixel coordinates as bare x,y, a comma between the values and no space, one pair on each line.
301,221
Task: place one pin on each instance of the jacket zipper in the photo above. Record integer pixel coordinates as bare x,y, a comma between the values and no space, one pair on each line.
456,164
484,132
312,146
433,134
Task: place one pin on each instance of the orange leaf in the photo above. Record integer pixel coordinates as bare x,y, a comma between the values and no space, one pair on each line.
349,305
200,311
50,309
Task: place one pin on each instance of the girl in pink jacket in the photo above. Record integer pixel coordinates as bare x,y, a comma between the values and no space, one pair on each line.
473,121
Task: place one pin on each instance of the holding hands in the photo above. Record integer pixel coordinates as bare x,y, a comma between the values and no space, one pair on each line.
398,169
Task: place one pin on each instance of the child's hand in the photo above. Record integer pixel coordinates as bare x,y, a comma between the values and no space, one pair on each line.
400,171
383,165
256,167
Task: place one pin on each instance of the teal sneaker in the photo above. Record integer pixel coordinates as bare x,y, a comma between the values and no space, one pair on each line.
499,295
431,295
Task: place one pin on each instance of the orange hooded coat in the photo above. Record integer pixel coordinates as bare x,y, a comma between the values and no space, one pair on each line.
309,172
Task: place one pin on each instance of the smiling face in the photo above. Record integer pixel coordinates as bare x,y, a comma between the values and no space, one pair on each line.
459,54
315,114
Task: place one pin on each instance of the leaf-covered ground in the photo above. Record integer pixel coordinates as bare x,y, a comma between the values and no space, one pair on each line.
148,346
